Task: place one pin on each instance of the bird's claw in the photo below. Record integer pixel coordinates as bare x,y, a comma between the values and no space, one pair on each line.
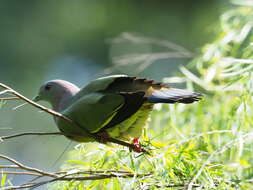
103,137
137,146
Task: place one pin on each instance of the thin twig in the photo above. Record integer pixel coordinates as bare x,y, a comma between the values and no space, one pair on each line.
27,168
92,177
75,176
10,98
8,166
18,187
60,176
67,176
20,173
129,37
30,133
5,91
97,171
176,185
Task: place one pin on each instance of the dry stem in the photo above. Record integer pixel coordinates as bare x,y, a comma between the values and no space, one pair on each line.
59,176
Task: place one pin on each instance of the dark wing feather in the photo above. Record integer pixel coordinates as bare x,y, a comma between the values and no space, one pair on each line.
136,91
133,101
133,84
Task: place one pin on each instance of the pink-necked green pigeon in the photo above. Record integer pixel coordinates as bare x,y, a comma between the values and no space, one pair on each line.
116,105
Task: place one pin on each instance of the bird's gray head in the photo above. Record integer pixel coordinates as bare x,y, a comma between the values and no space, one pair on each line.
56,92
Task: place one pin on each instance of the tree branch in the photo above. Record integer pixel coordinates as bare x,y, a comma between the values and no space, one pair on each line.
27,168
59,176
8,166
9,98
20,173
29,133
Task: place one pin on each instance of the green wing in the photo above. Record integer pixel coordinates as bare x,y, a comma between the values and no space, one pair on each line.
94,111
107,101
98,85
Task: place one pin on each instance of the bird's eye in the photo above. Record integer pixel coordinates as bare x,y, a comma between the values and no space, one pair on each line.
47,87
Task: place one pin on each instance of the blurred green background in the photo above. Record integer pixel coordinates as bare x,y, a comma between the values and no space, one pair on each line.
78,41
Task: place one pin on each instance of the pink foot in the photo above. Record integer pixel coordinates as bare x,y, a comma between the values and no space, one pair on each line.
137,147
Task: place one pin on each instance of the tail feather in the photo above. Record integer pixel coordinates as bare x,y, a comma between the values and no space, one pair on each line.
174,95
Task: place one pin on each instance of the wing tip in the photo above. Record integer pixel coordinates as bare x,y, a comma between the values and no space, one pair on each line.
175,96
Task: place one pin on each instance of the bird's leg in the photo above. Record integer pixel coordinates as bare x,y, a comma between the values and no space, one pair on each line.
136,145
104,136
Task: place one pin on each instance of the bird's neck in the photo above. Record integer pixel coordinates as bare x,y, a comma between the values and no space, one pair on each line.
62,102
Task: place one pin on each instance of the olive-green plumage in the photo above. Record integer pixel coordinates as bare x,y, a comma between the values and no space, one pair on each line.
117,105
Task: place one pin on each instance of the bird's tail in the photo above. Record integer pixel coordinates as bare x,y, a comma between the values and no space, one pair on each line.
173,95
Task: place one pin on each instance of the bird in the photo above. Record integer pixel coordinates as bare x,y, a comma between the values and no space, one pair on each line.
116,106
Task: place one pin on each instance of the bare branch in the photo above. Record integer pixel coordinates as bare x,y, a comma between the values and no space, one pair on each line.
18,187
60,176
72,176
27,168
30,133
10,98
8,166
20,173
143,60
92,177
5,91
96,171
177,185
129,37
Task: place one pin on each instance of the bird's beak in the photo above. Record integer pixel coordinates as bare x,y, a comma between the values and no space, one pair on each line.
36,98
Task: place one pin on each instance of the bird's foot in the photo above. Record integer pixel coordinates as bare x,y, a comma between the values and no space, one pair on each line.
103,137
137,146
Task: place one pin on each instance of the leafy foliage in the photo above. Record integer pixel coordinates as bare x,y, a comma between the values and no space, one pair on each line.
206,144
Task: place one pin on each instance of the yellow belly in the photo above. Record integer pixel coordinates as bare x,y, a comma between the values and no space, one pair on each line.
126,130
133,126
